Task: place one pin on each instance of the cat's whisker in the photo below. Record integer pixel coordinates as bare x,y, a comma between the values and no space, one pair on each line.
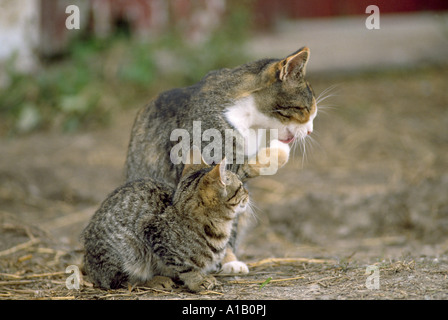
295,145
304,155
328,89
326,94
323,107
299,143
315,142
325,98
322,111
312,143
326,107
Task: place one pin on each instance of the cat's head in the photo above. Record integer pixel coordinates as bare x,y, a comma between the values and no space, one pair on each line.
280,97
210,190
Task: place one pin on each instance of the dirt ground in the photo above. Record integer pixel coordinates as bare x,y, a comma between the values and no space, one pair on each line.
370,192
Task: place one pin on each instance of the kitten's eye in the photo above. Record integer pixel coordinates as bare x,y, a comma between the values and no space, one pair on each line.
225,179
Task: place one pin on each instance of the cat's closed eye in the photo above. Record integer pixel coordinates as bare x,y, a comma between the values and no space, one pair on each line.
279,108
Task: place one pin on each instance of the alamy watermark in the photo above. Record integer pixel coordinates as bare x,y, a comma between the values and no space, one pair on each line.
73,20
373,279
74,280
373,21
236,148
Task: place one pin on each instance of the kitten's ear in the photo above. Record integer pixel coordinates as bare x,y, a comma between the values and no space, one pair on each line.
218,173
222,170
194,160
294,66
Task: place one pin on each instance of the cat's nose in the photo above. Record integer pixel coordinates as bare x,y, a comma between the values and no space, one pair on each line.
309,132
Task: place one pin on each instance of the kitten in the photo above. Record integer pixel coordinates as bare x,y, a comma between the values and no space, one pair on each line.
267,94
146,228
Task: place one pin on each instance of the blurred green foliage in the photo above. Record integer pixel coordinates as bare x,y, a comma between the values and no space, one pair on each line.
99,76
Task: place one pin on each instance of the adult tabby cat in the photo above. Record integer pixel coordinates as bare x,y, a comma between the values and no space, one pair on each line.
265,94
145,228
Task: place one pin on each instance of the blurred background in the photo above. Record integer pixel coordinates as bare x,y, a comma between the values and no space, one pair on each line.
55,77
372,179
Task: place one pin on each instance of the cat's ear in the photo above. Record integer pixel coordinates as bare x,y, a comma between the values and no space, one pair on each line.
218,173
294,66
194,160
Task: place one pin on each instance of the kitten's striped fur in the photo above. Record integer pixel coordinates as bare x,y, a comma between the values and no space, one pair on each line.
146,228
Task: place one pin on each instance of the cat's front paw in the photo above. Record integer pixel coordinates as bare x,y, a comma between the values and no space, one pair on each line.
282,150
268,160
235,267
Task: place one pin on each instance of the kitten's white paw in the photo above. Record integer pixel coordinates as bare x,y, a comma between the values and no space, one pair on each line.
235,267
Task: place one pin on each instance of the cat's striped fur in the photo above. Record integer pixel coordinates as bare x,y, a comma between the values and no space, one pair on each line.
264,94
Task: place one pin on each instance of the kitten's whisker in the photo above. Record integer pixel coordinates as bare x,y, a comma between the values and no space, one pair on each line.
252,206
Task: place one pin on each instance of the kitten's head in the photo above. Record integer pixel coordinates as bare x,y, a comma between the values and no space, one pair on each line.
212,191
282,96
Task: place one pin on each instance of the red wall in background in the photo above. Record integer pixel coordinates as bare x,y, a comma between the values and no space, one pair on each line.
267,11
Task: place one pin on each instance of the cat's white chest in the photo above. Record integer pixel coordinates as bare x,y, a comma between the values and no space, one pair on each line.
244,116
241,113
